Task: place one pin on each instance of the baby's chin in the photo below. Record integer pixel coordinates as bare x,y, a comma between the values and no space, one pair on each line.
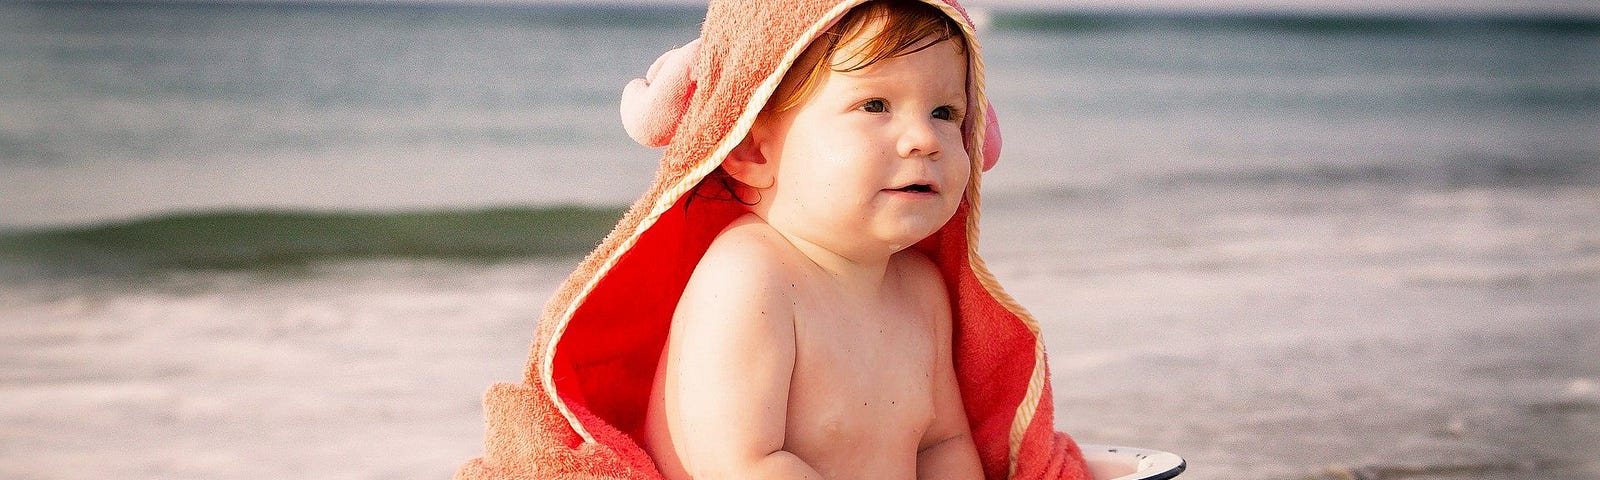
903,234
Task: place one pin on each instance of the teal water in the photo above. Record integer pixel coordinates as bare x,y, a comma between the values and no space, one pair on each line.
292,240
119,111
264,239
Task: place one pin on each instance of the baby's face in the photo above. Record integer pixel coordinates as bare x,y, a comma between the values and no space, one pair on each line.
873,159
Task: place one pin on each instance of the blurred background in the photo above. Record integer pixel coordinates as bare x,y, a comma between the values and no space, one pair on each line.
1284,239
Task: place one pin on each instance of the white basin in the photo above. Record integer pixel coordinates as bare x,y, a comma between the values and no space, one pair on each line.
1109,462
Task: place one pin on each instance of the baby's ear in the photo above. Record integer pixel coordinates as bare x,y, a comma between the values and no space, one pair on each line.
746,164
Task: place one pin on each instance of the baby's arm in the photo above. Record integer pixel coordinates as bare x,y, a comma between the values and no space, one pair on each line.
951,455
947,450
732,354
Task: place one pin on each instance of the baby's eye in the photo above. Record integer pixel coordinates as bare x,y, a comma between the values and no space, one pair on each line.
874,106
944,113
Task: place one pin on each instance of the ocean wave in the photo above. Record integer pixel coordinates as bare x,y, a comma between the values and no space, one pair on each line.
1295,22
265,239
1455,171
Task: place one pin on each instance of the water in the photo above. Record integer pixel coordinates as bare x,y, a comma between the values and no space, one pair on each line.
118,111
262,241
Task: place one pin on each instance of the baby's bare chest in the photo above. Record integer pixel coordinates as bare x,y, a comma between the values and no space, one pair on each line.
861,395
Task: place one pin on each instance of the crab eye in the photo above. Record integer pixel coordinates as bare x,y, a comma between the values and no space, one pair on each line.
874,106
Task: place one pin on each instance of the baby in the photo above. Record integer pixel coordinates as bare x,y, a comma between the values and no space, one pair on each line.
798,294
810,340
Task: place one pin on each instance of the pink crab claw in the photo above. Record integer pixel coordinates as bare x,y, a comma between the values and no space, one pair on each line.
991,138
652,106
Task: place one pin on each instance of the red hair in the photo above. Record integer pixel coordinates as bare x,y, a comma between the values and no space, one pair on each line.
903,27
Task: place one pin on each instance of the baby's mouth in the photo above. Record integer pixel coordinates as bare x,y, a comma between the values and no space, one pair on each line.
916,188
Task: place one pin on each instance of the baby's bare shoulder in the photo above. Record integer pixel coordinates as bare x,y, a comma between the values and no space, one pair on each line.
920,276
751,251
745,272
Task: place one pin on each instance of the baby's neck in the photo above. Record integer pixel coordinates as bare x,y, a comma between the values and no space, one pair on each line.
858,272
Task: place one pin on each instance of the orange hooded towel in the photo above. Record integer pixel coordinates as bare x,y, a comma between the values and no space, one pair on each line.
580,409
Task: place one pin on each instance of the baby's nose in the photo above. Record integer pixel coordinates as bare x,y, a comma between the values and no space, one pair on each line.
918,139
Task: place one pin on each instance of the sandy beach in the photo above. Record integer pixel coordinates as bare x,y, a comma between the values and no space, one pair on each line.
1261,352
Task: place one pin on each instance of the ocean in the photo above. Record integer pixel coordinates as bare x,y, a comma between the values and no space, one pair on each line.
245,240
